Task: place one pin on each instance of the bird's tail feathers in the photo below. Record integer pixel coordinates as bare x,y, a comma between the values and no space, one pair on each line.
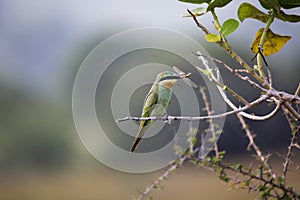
137,139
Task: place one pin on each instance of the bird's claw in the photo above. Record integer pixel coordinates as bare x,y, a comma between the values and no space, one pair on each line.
167,120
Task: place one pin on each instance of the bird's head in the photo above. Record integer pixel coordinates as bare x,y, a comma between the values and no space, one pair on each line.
168,79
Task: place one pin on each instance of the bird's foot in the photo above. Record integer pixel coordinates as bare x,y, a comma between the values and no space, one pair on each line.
167,120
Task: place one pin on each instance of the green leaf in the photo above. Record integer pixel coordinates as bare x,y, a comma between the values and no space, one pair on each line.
288,4
280,180
196,1
286,197
268,4
225,179
228,27
247,10
217,3
197,12
273,42
285,17
212,38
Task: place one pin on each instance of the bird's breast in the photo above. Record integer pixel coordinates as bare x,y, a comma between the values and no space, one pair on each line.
164,96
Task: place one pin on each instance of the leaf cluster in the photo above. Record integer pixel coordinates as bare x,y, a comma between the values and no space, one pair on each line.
273,42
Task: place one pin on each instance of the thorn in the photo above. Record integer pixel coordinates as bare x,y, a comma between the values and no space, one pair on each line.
259,51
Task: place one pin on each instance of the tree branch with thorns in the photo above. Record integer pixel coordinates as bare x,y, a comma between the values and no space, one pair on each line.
259,176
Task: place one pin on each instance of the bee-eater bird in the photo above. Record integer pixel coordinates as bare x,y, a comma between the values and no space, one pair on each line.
157,100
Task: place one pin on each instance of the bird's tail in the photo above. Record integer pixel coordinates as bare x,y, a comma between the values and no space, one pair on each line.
137,139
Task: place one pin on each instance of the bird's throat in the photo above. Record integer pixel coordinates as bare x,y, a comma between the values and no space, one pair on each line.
168,83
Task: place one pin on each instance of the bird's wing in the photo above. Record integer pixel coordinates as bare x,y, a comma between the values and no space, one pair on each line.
149,103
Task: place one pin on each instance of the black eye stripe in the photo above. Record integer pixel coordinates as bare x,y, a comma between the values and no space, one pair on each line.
169,78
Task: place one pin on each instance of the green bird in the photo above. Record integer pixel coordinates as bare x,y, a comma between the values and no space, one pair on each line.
158,99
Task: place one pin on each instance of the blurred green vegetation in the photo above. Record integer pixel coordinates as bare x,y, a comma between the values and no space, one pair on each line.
41,156
34,131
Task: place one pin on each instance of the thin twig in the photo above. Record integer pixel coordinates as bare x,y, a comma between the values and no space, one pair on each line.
230,104
292,144
263,37
297,90
297,166
260,178
173,166
292,111
269,76
224,44
235,72
198,23
288,157
212,127
252,143
230,91
248,173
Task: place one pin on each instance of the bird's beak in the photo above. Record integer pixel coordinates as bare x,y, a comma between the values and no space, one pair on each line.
184,75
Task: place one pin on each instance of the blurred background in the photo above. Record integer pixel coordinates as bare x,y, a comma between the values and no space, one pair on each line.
42,44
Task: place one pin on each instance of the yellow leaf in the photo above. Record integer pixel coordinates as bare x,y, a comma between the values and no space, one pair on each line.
273,42
212,38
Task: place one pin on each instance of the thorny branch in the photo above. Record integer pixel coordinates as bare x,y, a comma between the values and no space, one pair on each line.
265,176
250,136
293,144
156,184
259,178
268,85
250,176
212,127
270,95
229,102
197,23
254,103
170,118
236,72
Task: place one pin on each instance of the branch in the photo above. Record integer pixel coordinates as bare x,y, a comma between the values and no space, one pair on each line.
224,44
297,90
198,23
235,72
297,166
288,156
251,176
252,143
212,127
287,99
260,178
230,104
260,56
284,96
156,184
269,76
230,91
170,118
293,143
